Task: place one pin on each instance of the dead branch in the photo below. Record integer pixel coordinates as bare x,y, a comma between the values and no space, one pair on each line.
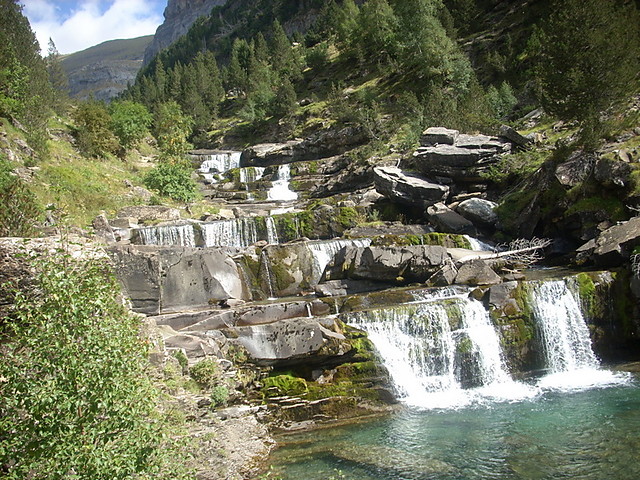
521,251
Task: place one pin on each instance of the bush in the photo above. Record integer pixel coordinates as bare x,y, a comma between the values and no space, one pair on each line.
130,122
19,210
93,130
206,373
219,395
75,397
173,180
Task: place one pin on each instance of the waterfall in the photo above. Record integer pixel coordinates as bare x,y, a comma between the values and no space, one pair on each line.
478,245
424,347
324,251
218,163
272,233
251,174
565,340
280,191
238,232
180,235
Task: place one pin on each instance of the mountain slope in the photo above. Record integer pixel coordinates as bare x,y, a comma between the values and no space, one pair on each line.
104,70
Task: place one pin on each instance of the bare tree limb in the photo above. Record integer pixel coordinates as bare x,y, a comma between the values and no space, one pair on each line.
521,251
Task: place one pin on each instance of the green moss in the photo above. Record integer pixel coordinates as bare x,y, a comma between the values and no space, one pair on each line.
614,207
347,217
281,385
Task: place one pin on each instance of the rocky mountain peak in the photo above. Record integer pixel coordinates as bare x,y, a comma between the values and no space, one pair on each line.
178,18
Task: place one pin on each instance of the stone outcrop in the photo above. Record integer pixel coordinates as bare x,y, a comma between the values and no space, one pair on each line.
479,211
168,279
394,264
446,220
614,246
450,155
290,342
477,272
178,18
407,188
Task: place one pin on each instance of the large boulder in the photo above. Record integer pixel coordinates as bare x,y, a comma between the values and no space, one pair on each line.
514,136
290,342
446,220
479,211
576,169
392,264
477,272
266,154
614,246
170,279
612,173
438,136
407,188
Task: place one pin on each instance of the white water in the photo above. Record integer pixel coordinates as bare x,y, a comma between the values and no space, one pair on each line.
180,235
418,348
218,163
324,251
565,338
280,191
272,233
478,245
251,174
238,232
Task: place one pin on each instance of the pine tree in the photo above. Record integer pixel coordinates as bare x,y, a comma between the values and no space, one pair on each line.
374,37
57,78
588,60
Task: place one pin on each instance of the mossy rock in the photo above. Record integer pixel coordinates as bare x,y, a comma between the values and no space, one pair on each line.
284,385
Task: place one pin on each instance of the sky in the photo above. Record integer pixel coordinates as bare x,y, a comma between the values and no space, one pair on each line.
78,24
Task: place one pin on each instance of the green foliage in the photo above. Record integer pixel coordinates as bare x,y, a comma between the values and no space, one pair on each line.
172,129
586,60
93,130
130,122
278,385
19,209
172,179
219,395
76,400
206,372
57,78
501,99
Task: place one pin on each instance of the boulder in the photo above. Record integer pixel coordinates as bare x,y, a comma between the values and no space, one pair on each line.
458,163
103,229
289,342
392,264
264,314
438,136
614,246
479,211
170,279
482,142
446,220
477,272
514,136
407,188
576,169
613,173
266,154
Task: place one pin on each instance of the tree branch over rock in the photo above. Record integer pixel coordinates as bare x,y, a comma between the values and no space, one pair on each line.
522,251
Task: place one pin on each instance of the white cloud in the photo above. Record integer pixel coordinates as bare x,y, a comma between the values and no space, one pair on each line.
76,25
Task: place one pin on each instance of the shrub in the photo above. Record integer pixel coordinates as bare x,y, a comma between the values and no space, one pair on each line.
206,372
173,180
93,130
19,210
130,122
75,397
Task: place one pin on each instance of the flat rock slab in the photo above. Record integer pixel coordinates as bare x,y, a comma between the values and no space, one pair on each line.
438,136
407,188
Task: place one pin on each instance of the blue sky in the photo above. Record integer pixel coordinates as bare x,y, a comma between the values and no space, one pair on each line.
78,24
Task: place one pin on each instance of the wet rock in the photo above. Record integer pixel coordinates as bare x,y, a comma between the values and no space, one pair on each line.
438,136
407,188
446,220
498,295
477,272
479,211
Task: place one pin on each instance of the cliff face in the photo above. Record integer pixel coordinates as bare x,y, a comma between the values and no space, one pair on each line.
103,71
178,17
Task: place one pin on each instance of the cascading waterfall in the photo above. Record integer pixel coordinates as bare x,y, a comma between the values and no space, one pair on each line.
280,191
324,251
218,163
238,232
478,245
169,235
565,338
251,174
272,232
421,350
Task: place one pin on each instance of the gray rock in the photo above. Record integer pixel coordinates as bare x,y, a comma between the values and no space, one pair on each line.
290,342
266,154
613,173
103,229
479,211
576,169
477,272
498,295
170,279
446,220
482,142
263,314
196,321
438,136
407,188
514,137
615,244
194,346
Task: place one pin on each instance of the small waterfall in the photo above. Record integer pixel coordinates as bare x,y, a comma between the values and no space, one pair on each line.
238,232
564,332
478,245
424,346
324,251
179,235
565,338
218,163
264,267
272,232
280,191
251,174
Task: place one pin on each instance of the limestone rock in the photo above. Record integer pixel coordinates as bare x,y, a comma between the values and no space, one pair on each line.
615,244
169,279
266,154
447,221
477,272
438,136
407,188
479,211
290,342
